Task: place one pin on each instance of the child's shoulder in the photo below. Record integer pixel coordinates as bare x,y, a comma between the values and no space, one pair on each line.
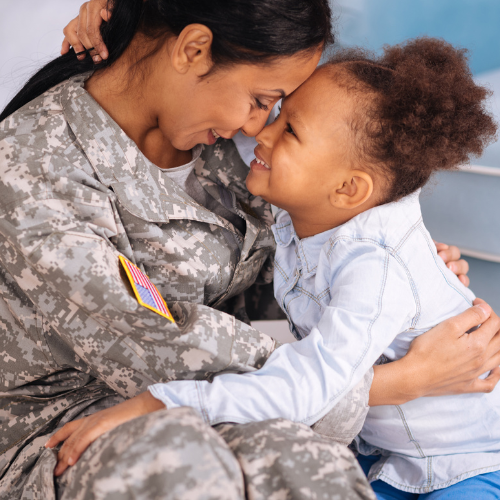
386,226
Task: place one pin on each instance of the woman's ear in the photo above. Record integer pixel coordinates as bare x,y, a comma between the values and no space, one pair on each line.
356,190
192,50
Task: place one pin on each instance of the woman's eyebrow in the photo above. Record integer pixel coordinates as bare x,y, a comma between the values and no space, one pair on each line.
281,92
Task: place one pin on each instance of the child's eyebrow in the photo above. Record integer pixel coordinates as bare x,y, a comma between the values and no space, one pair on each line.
296,118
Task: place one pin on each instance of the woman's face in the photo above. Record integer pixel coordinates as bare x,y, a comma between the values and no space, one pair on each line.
240,97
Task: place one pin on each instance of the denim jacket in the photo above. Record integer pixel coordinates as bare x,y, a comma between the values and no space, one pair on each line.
355,295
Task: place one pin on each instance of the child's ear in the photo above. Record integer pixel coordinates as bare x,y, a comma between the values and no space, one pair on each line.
356,189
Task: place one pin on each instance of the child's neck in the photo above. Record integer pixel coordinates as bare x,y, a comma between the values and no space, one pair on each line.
307,225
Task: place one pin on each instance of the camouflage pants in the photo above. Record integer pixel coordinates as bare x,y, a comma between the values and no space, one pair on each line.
173,454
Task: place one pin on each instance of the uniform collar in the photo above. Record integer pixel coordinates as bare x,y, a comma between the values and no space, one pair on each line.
141,187
139,184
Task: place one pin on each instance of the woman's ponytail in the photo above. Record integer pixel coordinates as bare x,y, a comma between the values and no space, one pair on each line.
246,32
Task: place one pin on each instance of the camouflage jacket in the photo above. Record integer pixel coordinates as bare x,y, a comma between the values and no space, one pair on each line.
75,192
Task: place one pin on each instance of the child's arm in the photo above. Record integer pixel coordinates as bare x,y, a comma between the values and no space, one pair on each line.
371,301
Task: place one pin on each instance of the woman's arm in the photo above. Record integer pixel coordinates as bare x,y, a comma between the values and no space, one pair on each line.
445,360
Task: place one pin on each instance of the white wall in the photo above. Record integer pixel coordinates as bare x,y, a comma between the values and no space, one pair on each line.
30,34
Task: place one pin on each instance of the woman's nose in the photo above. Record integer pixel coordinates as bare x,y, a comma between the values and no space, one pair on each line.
256,123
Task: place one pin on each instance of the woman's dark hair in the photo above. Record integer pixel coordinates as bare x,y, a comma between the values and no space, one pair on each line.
421,110
244,31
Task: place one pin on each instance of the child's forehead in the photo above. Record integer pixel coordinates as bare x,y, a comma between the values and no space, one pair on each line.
321,94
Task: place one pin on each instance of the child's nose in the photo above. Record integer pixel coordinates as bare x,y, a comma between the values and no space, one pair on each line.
265,136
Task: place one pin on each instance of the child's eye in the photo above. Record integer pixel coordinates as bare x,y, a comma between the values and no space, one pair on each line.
260,105
289,129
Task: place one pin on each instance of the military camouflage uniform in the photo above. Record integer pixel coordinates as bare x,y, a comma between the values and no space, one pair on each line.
75,192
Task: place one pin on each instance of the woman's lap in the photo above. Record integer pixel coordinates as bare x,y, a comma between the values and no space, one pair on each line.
481,487
174,454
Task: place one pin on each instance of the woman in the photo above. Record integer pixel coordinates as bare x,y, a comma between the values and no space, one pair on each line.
101,166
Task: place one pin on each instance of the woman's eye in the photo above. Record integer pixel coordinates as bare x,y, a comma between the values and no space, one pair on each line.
260,105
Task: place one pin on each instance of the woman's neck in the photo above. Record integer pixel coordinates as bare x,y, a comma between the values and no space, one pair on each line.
128,98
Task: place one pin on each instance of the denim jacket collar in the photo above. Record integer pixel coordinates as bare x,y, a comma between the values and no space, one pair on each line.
307,249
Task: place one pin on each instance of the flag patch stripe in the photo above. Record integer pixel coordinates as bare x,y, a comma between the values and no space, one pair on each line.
145,291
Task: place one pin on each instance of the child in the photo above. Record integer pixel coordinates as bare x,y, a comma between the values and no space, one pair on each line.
356,271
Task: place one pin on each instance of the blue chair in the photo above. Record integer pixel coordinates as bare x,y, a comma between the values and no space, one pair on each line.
462,208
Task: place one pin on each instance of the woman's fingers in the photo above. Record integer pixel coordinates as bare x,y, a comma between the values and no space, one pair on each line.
72,39
458,267
464,279
490,382
96,13
487,335
469,319
451,257
81,29
448,253
65,46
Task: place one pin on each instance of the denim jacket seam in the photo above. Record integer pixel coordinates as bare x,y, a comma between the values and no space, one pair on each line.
408,234
409,432
360,359
325,292
202,403
418,489
308,294
281,271
413,286
434,256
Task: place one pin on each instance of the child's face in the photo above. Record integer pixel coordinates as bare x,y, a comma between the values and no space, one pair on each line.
307,149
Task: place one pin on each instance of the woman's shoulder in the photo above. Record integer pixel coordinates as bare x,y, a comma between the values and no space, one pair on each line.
39,126
38,134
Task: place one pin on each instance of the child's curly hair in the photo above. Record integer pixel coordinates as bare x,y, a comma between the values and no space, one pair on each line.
424,111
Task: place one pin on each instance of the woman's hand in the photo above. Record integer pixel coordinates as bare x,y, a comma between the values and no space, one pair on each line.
445,360
80,434
451,257
83,32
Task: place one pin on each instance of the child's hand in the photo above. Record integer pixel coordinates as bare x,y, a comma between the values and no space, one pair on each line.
451,257
80,434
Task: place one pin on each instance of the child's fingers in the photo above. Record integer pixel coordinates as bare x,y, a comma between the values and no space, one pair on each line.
63,433
74,446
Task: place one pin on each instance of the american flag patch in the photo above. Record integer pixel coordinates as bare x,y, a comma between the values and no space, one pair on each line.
146,293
